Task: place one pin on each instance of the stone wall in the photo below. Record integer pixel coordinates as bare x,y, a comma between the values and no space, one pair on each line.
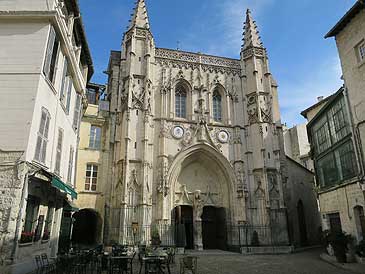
342,200
11,185
300,187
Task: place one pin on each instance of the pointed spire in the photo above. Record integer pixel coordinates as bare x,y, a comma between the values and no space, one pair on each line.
140,16
251,34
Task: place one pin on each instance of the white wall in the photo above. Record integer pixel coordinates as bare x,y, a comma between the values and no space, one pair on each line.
22,46
26,4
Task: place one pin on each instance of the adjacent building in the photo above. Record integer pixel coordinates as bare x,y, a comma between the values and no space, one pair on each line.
341,198
92,169
45,64
336,133
296,145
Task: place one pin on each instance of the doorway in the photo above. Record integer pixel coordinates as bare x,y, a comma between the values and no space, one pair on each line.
87,228
184,230
360,221
214,228
302,224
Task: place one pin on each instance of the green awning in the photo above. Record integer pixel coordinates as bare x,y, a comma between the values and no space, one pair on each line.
64,187
70,206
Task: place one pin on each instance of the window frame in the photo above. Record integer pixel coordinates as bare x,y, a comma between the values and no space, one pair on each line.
94,138
181,99
88,186
217,106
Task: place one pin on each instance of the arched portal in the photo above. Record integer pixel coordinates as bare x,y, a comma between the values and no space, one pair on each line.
87,228
201,177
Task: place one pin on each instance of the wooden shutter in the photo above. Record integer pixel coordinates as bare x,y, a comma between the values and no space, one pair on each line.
49,51
64,81
69,92
59,151
41,145
77,112
70,165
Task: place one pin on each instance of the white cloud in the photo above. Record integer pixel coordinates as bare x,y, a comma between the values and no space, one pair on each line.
231,19
295,95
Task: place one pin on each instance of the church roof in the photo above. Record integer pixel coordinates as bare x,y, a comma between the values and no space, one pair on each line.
251,34
140,16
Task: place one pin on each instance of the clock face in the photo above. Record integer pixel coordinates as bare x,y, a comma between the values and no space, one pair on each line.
223,136
178,132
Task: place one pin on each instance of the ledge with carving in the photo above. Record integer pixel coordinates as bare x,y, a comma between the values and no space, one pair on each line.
174,58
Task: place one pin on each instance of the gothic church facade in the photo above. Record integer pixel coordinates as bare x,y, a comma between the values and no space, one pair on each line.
196,146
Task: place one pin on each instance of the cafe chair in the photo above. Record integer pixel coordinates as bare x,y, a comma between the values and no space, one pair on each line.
188,264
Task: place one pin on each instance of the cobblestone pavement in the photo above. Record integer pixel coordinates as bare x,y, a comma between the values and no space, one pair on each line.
307,262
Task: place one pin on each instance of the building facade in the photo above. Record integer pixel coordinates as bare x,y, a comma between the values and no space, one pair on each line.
337,133
341,198
92,169
196,144
44,66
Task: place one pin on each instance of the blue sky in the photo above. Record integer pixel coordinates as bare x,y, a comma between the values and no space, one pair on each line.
304,64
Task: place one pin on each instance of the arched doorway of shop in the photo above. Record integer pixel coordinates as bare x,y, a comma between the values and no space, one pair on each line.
87,228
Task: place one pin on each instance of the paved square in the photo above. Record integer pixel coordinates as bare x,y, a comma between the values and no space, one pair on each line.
220,262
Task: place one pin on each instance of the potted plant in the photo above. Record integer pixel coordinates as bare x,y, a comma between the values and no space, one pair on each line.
339,241
360,249
255,239
26,237
155,236
45,236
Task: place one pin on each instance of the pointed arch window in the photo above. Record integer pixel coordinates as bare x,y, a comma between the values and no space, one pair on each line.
217,106
180,101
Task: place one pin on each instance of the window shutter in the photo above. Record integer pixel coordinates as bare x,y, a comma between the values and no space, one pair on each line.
77,112
41,145
50,45
69,91
70,165
46,127
64,81
59,151
38,149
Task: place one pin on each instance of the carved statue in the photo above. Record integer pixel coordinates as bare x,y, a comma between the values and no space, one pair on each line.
198,204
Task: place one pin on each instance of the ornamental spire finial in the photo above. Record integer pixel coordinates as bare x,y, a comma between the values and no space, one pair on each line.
140,16
251,36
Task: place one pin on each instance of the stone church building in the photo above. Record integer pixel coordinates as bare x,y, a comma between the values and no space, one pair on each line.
196,144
